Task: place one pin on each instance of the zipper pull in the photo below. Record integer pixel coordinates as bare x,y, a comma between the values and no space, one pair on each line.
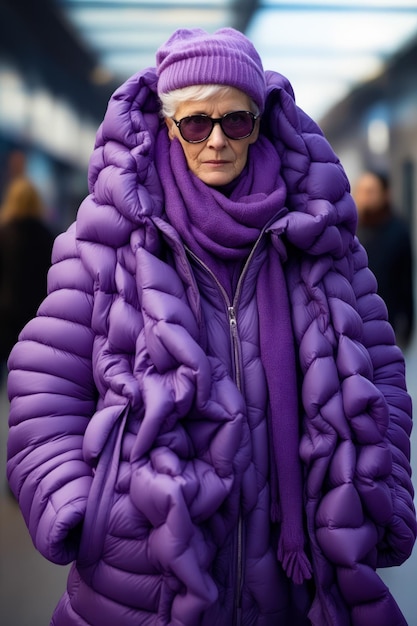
232,316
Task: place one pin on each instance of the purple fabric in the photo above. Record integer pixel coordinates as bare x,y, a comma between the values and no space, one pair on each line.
126,324
226,57
278,357
220,229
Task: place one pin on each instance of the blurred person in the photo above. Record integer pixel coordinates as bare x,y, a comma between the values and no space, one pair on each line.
206,410
25,257
12,165
16,164
387,240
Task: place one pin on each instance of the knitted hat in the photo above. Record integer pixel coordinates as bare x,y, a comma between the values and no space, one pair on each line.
195,57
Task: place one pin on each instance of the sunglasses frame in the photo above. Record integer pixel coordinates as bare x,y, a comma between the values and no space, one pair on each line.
214,121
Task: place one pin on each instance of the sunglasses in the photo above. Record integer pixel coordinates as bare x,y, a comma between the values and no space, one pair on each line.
197,128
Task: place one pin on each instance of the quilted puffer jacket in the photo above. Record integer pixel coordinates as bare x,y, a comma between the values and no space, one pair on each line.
138,443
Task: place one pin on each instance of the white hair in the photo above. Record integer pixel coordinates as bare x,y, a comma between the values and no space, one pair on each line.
195,93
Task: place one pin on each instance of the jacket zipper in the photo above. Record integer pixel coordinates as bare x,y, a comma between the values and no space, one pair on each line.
237,616
232,318
235,345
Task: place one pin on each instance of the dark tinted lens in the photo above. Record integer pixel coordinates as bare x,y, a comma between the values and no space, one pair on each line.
195,127
238,124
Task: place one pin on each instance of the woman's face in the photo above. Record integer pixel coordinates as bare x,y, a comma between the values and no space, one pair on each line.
369,194
218,160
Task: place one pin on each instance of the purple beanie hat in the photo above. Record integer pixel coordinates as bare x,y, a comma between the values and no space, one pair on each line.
195,57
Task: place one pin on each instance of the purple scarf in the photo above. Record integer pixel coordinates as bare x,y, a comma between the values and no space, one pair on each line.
221,227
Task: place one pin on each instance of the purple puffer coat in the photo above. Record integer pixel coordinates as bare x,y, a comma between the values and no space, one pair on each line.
138,443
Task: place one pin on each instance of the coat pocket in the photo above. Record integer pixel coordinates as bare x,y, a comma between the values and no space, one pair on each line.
106,429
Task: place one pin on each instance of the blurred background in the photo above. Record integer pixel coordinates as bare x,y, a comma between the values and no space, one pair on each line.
353,67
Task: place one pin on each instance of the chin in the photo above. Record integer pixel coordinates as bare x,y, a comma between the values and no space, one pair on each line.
216,180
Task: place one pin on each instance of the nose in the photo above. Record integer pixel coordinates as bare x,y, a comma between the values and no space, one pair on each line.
217,137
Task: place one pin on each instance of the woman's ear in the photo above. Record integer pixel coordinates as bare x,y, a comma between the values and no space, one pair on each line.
171,127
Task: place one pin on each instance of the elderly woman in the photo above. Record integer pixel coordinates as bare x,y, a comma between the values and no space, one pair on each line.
209,415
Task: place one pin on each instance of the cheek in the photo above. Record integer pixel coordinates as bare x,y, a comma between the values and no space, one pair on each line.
191,153
242,155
